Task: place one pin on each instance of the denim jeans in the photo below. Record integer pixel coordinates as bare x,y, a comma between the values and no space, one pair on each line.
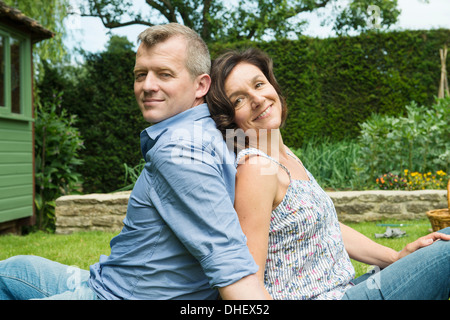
421,275
31,277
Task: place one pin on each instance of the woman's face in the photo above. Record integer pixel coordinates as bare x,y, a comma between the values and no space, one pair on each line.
257,104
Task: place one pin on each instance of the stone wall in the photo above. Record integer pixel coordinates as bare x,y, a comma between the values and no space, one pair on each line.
105,212
357,206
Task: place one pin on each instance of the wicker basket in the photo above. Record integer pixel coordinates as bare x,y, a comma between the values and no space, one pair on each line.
440,218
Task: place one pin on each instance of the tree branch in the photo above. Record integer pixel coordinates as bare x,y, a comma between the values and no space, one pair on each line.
167,9
115,24
305,7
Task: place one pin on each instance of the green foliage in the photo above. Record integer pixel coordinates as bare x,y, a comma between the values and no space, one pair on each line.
419,141
331,163
386,147
361,75
109,120
57,143
217,20
131,175
51,15
331,85
334,84
358,16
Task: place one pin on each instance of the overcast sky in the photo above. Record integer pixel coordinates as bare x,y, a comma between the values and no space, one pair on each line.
89,33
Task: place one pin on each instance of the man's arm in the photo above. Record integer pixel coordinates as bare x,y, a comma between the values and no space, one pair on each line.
248,288
191,196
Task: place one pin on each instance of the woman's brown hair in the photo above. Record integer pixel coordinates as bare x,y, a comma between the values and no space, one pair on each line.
220,107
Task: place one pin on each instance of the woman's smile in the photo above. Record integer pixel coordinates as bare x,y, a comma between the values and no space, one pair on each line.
264,114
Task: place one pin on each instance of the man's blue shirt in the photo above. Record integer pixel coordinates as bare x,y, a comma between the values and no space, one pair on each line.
181,237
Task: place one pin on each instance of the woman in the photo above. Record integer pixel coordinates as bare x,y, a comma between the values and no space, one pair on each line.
290,222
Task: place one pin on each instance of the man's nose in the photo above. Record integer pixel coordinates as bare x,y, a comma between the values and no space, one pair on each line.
150,83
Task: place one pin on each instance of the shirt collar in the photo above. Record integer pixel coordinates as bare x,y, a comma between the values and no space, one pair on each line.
151,134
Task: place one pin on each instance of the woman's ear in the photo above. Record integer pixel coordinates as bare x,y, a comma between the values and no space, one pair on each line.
203,84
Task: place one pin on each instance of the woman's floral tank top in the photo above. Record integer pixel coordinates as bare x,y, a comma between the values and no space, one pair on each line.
306,257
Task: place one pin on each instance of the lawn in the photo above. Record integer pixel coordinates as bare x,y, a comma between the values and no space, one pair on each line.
84,249
78,249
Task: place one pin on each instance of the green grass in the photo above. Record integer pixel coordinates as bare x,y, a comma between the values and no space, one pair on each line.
84,249
77,249
414,229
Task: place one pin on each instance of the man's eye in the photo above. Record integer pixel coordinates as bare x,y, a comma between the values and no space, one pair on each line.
139,76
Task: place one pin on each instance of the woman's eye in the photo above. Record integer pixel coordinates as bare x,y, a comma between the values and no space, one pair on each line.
237,102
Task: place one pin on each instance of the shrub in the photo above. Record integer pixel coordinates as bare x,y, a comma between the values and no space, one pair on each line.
419,141
57,144
331,163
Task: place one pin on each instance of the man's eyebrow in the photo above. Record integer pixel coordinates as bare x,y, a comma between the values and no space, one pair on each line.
165,69
157,69
138,68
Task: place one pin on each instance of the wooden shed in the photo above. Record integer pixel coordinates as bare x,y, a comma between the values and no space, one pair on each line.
18,33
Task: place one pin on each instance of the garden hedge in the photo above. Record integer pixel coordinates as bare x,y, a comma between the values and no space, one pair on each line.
334,84
331,85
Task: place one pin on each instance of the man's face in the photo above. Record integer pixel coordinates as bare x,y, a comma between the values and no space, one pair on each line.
163,85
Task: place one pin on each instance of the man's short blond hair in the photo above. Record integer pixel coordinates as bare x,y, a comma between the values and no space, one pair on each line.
198,60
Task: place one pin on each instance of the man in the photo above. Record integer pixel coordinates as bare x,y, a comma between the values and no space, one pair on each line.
181,237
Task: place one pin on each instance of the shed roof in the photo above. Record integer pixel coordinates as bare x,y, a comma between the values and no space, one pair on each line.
15,18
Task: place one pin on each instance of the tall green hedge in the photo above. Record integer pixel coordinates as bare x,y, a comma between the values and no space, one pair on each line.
334,84
101,95
331,85
110,120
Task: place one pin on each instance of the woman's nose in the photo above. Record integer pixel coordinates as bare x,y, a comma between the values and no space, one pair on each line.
256,100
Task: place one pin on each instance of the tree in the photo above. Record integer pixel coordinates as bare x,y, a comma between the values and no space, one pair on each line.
50,14
247,19
366,14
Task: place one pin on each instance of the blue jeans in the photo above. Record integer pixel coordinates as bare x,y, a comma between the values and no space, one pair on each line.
31,277
421,275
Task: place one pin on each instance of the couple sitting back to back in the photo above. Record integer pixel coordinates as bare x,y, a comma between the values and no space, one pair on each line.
201,221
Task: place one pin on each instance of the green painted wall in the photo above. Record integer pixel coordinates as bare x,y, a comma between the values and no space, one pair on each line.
16,170
16,129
